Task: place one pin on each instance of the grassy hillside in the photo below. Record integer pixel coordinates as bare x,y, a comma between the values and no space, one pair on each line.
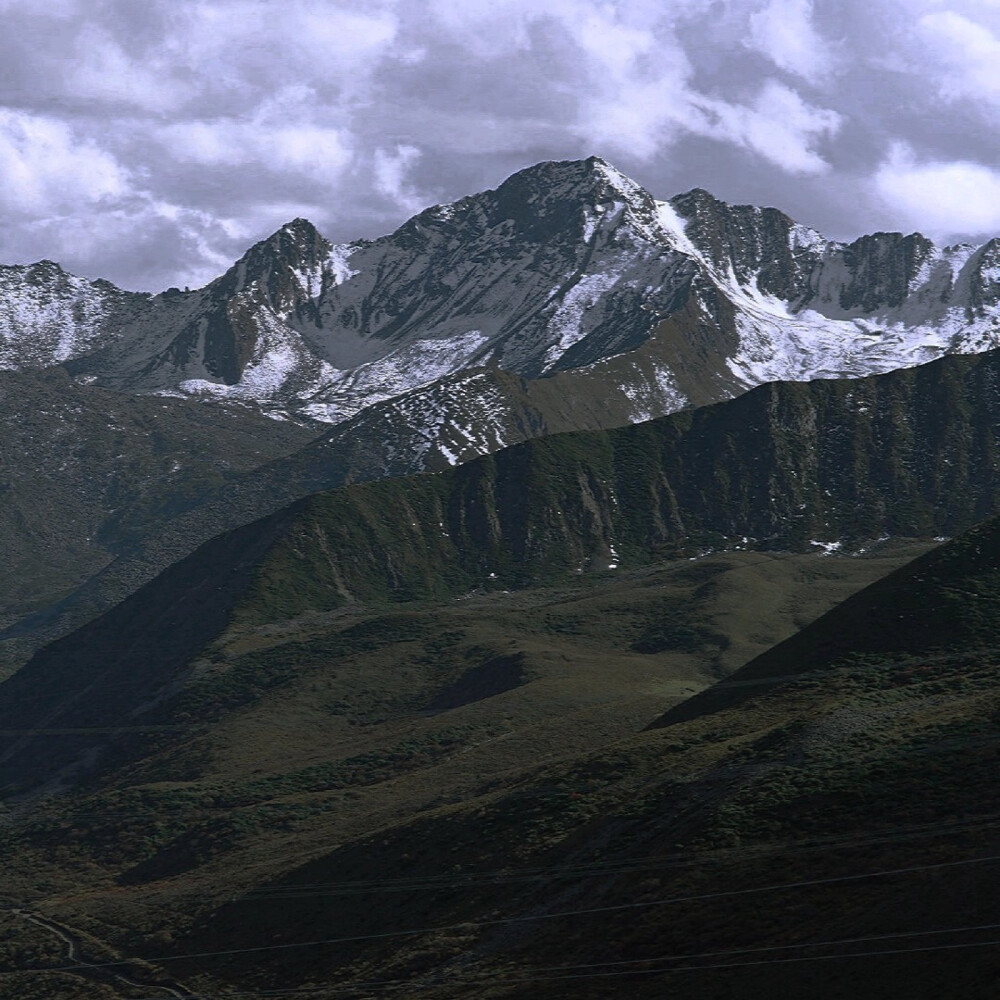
466,787
540,514
332,722
285,737
943,608
85,472
832,834
785,466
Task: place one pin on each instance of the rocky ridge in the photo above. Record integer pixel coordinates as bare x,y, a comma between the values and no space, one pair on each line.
565,266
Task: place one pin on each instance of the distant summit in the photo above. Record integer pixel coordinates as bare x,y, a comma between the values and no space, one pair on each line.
566,266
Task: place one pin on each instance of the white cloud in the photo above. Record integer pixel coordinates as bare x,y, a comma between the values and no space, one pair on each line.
614,46
638,120
314,150
51,9
967,50
161,138
783,31
240,49
940,198
47,169
488,29
638,91
152,238
779,125
621,62
102,71
391,177
634,83
278,137
249,46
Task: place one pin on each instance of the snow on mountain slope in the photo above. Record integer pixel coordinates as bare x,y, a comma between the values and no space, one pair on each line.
562,266
457,418
804,307
48,316
567,266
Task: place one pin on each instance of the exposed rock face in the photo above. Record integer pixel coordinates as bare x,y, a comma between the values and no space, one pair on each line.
565,266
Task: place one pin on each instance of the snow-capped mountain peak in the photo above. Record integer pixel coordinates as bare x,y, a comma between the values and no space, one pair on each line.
566,265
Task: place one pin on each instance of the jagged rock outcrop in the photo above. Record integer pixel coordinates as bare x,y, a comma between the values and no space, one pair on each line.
565,266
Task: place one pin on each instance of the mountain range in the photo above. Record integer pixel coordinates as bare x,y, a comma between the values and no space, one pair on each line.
565,266
569,568
567,299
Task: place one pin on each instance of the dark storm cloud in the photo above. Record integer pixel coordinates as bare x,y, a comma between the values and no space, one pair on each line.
151,143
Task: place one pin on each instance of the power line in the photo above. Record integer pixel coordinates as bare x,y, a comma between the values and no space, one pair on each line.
530,973
593,869
615,908
624,866
772,961
88,730
775,947
210,791
615,866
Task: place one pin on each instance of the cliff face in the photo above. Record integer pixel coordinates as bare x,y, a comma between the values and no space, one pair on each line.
785,466
835,463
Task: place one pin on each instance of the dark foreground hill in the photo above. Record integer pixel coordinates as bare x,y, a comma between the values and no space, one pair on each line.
225,769
458,800
833,835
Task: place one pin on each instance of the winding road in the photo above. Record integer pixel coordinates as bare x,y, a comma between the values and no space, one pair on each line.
100,973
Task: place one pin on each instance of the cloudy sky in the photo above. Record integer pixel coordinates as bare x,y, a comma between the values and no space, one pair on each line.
151,141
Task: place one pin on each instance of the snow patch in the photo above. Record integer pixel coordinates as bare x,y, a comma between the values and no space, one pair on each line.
828,547
337,265
48,316
568,323
674,228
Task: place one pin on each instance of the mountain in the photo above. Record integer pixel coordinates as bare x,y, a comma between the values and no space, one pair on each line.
457,798
48,316
831,465
941,609
146,498
86,471
831,833
501,676
566,299
565,266
827,466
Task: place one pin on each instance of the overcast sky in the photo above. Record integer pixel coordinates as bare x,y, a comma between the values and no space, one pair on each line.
152,141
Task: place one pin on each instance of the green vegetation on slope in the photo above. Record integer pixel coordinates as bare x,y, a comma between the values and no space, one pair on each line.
296,735
940,609
353,671
849,795
909,453
85,472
